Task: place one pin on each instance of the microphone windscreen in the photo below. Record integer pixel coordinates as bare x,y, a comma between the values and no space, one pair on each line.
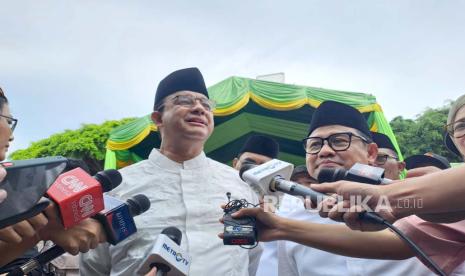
331,175
246,165
138,204
109,179
173,233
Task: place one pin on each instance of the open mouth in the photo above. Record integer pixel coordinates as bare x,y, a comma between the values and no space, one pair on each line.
196,121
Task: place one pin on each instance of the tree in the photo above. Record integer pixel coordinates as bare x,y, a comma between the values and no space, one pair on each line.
424,134
418,136
86,143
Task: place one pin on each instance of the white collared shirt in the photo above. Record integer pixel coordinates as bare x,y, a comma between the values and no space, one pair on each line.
186,195
298,260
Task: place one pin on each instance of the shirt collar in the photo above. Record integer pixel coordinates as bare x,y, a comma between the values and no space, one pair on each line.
164,162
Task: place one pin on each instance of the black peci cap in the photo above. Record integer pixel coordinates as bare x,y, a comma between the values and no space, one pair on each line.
336,113
189,79
261,145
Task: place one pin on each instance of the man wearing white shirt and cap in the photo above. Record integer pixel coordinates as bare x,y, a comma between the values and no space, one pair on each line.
338,138
184,186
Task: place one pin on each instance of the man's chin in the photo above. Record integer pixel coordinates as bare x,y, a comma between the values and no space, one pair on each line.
330,166
197,135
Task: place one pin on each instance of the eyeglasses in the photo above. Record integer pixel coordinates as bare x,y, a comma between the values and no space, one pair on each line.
456,129
12,122
336,141
190,101
381,159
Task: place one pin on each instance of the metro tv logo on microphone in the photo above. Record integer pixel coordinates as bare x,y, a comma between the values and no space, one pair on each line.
78,196
177,255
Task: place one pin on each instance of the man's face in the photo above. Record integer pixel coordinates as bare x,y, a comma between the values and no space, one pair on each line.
257,158
460,142
387,159
180,121
358,151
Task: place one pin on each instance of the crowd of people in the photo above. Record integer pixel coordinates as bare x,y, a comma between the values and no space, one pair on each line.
186,189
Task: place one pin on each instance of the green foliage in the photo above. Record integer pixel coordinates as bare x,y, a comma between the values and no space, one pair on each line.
86,143
418,136
424,134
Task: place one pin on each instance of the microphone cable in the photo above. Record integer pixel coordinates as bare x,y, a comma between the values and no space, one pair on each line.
370,216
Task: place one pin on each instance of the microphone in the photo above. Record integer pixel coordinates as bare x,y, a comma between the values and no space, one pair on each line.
358,173
117,217
79,195
117,222
274,176
259,177
167,255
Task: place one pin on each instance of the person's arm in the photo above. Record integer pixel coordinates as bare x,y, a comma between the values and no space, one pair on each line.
337,239
81,237
12,251
23,230
436,193
341,240
18,238
439,192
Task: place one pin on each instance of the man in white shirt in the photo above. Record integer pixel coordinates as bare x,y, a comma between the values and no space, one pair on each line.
338,137
184,186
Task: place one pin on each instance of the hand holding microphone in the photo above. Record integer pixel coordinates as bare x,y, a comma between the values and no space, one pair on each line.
167,256
22,230
80,196
77,196
85,235
365,197
113,224
274,176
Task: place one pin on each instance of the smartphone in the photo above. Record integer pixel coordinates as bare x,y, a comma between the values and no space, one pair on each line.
26,183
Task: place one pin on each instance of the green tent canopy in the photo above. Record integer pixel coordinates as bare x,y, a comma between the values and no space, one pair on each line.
246,107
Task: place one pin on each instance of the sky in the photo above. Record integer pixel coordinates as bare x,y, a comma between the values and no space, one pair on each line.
65,63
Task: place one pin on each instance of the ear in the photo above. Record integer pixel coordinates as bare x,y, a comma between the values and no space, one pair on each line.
235,160
401,165
372,149
157,118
